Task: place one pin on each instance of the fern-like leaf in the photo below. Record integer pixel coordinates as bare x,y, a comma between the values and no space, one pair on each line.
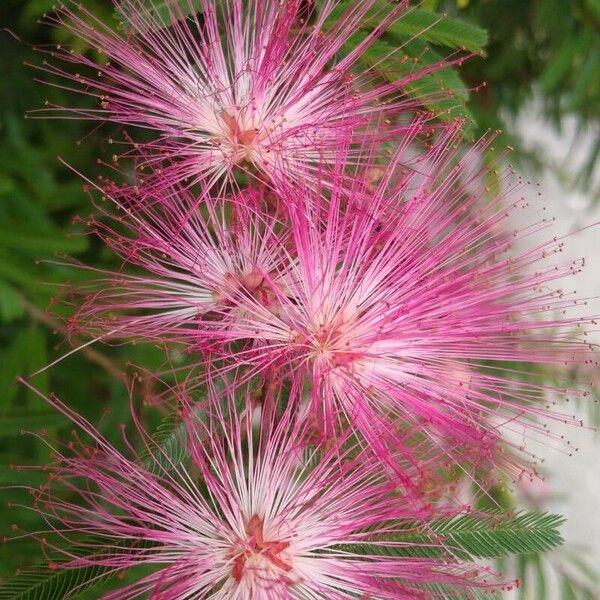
484,535
435,28
439,29
44,583
495,535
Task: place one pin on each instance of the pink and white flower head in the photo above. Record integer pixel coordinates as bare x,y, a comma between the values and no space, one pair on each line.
409,305
194,254
241,84
400,301
187,257
242,510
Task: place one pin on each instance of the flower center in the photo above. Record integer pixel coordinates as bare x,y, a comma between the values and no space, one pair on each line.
254,283
259,562
329,342
241,138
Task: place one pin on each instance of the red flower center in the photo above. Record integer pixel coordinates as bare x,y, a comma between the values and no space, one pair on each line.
260,559
240,139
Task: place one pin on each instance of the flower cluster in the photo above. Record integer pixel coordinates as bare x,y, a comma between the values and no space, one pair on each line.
274,516
395,303
357,306
259,87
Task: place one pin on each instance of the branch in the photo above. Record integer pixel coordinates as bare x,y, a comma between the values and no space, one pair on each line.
39,316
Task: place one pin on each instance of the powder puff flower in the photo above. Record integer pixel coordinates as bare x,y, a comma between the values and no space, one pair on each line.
236,84
244,510
401,299
193,254
191,262
415,303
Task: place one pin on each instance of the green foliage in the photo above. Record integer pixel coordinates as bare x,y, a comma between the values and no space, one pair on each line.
39,200
542,50
404,48
426,25
168,446
567,573
465,536
43,583
440,29
482,535
500,534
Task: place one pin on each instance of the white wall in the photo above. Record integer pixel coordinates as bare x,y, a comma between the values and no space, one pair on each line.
574,481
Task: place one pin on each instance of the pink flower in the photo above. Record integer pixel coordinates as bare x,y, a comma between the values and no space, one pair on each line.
193,262
397,299
193,256
249,85
408,306
243,509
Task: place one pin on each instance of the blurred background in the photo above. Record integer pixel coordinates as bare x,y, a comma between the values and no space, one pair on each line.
540,63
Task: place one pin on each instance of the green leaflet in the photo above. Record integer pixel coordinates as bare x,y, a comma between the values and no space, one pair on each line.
169,445
42,583
442,91
501,534
432,27
485,535
440,30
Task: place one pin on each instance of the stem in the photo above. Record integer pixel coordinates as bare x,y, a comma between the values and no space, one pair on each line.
39,316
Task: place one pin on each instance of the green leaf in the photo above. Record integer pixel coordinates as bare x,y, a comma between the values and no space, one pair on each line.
37,357
11,307
566,572
16,421
426,25
440,29
470,536
560,66
17,270
442,91
26,354
41,242
169,442
492,535
593,6
540,576
588,77
43,583
567,590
